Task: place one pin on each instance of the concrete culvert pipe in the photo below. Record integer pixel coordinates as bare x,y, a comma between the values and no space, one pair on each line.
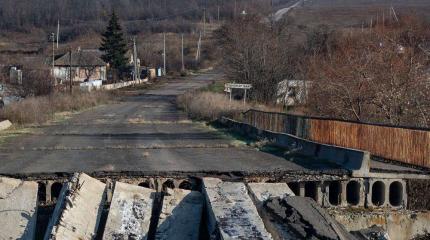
185,185
41,192
295,187
55,191
334,189
378,193
396,194
311,190
168,184
144,184
353,193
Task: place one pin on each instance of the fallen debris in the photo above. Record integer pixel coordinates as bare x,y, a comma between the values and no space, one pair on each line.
130,212
262,192
5,125
372,233
180,215
78,210
18,204
306,219
231,212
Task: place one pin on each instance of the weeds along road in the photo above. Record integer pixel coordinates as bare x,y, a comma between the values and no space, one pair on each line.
142,132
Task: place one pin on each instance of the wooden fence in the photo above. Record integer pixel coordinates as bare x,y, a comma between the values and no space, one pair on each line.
411,146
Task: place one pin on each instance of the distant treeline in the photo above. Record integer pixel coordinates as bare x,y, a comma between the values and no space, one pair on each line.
25,14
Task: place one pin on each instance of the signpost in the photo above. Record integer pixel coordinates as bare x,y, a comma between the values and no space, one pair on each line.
230,86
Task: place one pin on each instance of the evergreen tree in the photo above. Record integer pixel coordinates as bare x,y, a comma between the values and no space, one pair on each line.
113,45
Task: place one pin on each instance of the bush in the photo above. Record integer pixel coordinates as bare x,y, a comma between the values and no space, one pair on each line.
210,106
37,110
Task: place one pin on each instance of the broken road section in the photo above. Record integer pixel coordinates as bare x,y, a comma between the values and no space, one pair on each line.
262,192
231,212
180,215
305,219
18,204
78,210
130,212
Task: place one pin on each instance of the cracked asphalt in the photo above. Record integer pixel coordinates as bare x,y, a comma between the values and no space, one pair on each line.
143,132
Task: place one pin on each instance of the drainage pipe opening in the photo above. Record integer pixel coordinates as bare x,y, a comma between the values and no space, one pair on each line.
311,190
396,194
55,190
295,187
378,193
334,191
353,193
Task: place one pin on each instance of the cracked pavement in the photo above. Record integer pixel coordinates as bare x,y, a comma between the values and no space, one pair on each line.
143,132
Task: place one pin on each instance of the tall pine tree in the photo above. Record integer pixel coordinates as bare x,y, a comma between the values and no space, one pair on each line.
113,45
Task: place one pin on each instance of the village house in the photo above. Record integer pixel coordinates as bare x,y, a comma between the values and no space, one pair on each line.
86,65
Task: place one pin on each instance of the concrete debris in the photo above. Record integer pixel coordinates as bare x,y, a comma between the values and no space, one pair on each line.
180,215
130,212
372,233
231,212
78,210
18,204
306,219
5,125
260,193
398,224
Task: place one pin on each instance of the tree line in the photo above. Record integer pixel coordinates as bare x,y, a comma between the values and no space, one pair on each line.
379,73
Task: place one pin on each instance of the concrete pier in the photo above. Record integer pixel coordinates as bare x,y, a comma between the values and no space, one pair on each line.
231,212
78,210
18,204
180,215
130,212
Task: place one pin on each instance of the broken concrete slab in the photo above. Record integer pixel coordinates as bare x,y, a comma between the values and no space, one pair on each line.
180,215
78,210
5,125
18,209
306,219
231,213
130,212
260,193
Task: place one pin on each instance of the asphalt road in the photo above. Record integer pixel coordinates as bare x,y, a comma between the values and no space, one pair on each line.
143,132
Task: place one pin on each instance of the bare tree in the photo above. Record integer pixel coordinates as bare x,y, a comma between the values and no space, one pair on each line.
380,75
255,53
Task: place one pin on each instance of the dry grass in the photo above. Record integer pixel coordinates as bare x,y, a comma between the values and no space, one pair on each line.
38,110
210,106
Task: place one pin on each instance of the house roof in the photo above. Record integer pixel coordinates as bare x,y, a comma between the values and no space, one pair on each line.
82,58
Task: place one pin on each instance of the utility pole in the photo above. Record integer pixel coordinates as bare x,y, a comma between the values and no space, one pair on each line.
395,15
70,71
198,47
235,8
218,14
53,52
164,53
136,73
182,53
204,21
58,31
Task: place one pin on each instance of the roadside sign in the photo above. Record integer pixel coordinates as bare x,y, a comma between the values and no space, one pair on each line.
238,85
230,86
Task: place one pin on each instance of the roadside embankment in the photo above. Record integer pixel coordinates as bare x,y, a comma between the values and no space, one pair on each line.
37,110
210,106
